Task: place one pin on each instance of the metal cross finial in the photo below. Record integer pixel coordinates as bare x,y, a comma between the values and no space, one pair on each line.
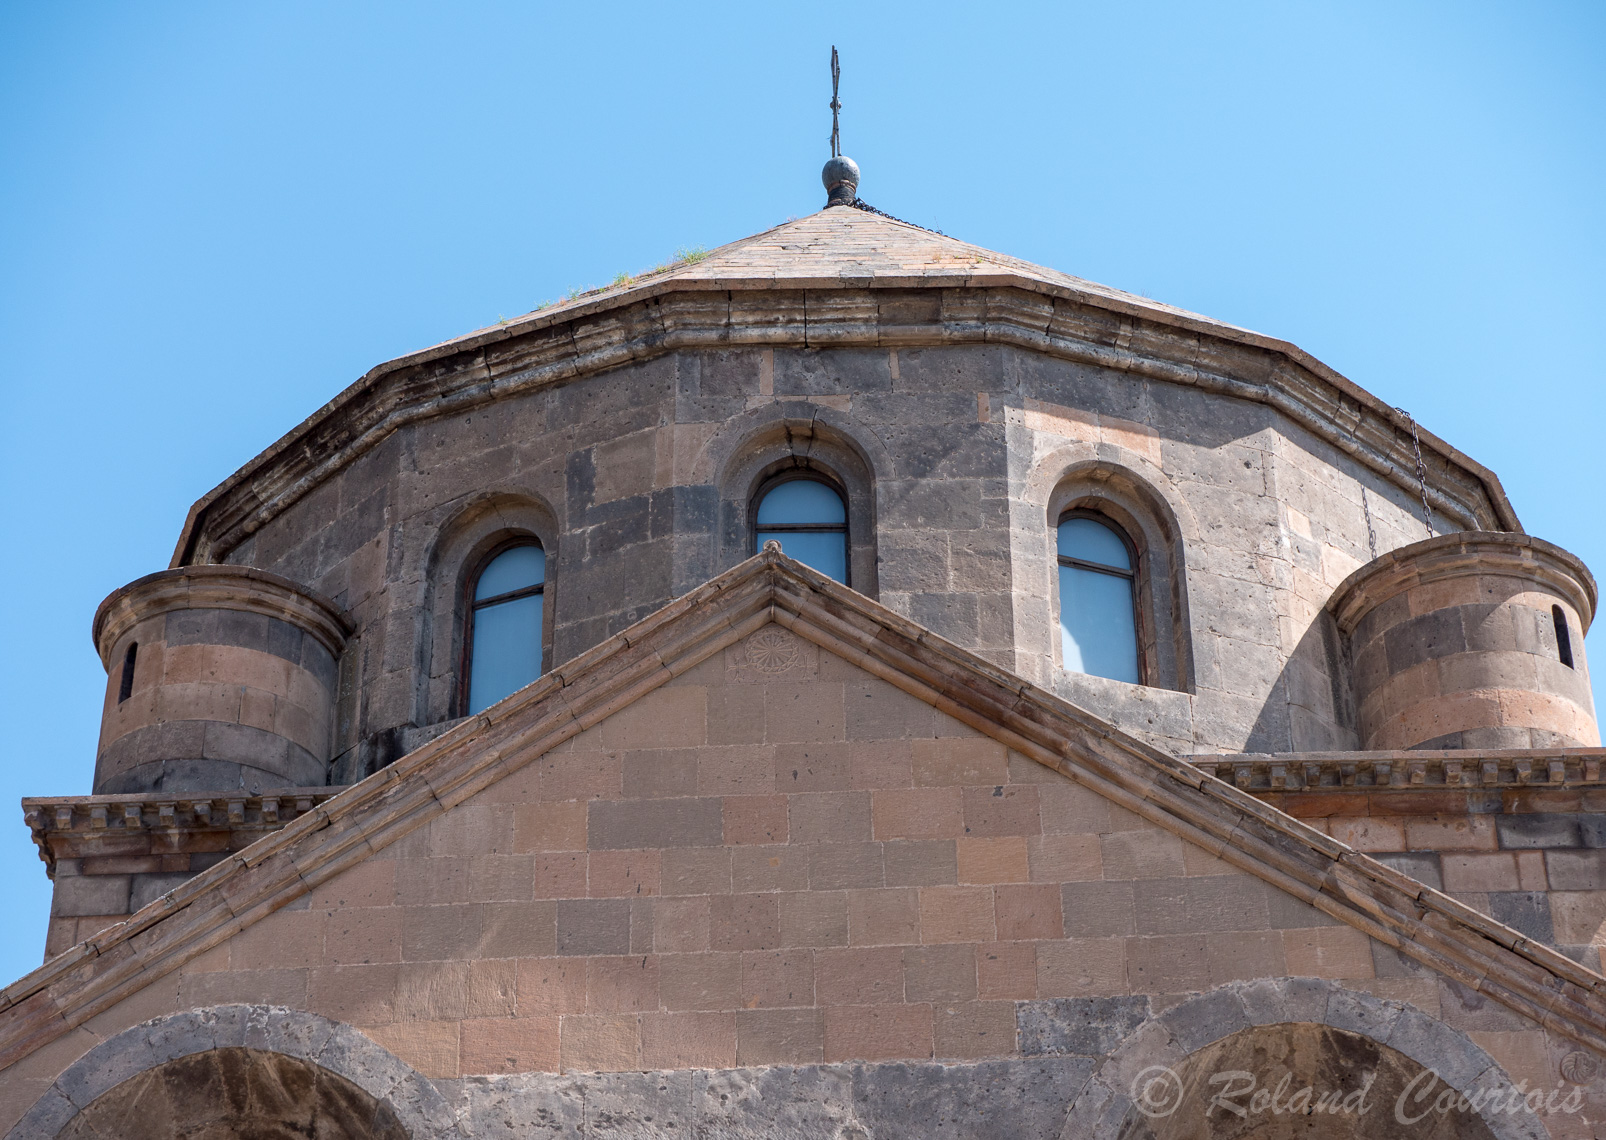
836,105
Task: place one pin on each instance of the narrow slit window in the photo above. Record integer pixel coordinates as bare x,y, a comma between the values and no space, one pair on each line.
504,629
810,521
125,684
1098,610
1564,641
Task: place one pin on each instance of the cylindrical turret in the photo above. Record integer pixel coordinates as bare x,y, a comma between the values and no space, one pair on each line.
1470,640
220,678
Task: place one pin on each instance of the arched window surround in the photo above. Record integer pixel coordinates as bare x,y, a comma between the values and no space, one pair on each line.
466,542
1120,497
802,440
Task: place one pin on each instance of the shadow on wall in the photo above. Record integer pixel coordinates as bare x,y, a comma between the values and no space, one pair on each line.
1311,707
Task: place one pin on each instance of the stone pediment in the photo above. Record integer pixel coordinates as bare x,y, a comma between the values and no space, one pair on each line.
840,278
818,617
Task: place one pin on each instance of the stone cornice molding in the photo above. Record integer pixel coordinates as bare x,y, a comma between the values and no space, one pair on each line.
1079,323
238,588
1498,770
1537,982
1462,554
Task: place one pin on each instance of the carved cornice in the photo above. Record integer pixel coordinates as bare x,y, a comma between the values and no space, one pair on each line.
1492,770
240,588
71,827
639,323
1464,554
205,911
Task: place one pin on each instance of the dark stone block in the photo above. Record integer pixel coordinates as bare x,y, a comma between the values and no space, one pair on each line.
593,926
247,631
1424,638
991,1100
283,641
1092,1027
1525,911
1540,829
191,627
147,888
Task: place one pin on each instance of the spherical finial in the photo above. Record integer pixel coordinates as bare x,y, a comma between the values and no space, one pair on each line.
841,178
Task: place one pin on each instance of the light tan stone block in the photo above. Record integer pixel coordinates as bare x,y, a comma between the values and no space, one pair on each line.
600,1043
814,918
809,712
700,981
1531,871
736,771
777,978
688,1040
755,819
1335,952
957,914
1368,832
1147,854
780,1037
818,766
884,917
431,1047
878,1033
289,940
696,871
361,995
1082,967
1008,809
624,874
559,875
674,716
680,925
553,826
1064,858
858,976
975,1029
880,764
548,986
1027,911
509,1045
949,762
581,775
370,883
918,813
1006,970
999,860
1451,833
614,985
1493,871
1244,955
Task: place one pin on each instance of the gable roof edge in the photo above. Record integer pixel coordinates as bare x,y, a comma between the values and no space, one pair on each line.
1461,943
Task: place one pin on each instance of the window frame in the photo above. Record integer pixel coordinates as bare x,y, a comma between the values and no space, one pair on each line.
471,608
1134,581
810,475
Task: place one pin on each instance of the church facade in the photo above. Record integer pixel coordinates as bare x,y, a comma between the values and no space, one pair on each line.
855,684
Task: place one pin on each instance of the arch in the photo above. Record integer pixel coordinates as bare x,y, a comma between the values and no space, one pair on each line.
464,544
794,438
1160,1051
400,1094
1145,517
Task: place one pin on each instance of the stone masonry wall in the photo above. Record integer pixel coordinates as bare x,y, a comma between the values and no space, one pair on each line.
965,445
777,859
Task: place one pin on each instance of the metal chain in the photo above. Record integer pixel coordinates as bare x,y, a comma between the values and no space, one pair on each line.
1421,471
861,204
1371,535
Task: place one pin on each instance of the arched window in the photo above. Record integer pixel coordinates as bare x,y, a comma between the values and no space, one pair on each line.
1098,615
810,520
503,647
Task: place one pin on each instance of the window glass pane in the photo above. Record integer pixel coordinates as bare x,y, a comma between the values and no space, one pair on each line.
507,650
512,570
802,501
827,553
1092,541
1098,633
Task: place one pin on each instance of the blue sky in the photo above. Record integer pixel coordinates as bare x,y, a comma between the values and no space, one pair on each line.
213,217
